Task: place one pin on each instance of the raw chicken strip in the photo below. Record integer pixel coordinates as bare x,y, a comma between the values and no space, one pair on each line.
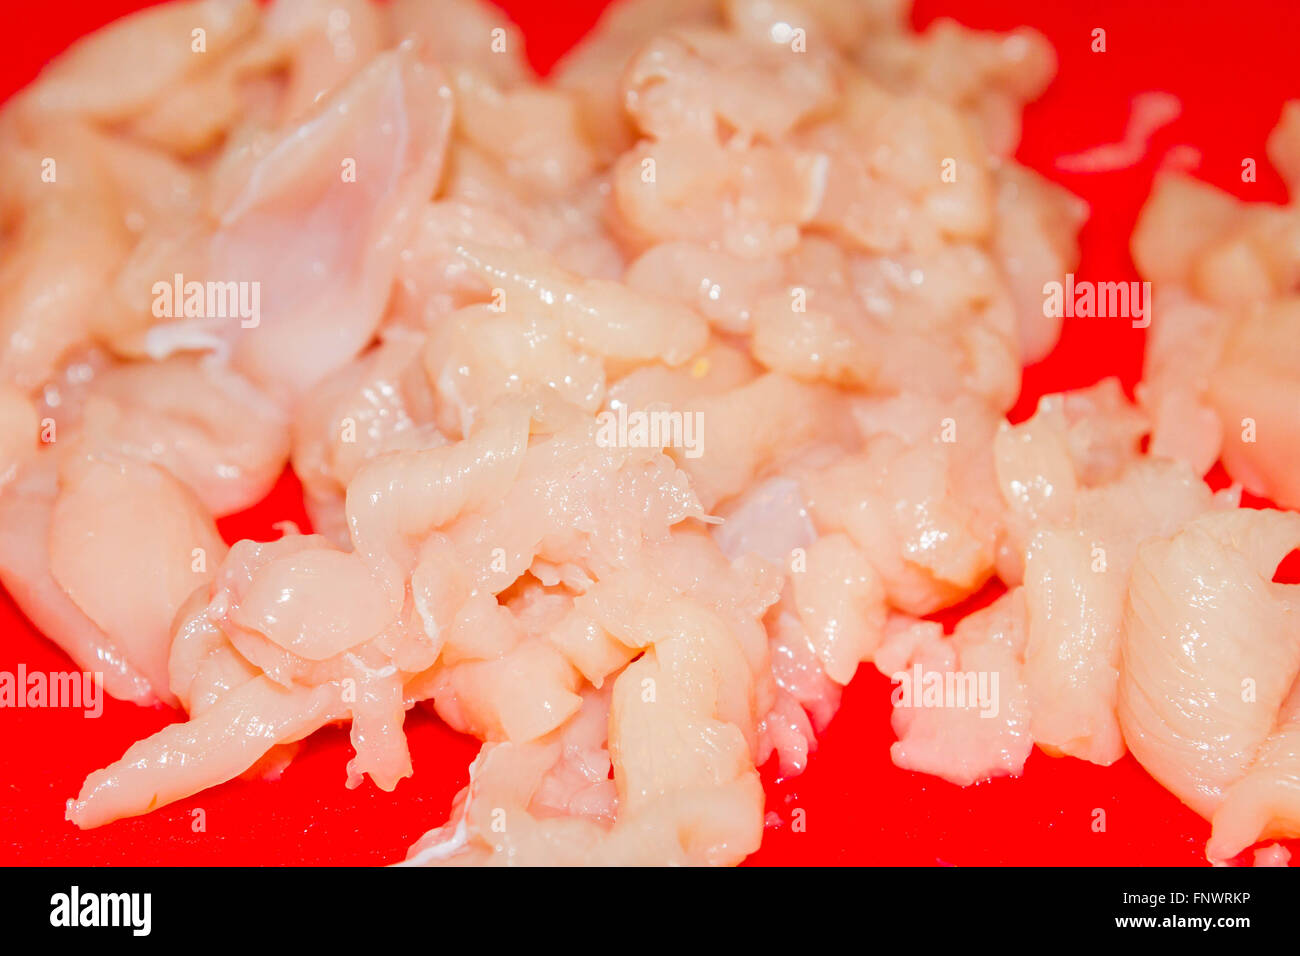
1265,803
1075,582
185,758
123,511
25,510
601,317
1209,651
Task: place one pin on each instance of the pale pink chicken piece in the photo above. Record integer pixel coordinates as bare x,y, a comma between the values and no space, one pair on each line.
1255,389
771,520
500,679
115,512
25,509
203,665
152,187
581,783
230,92
395,500
158,44
771,523
1284,145
599,316
1181,353
916,500
624,598
1225,252
463,33
841,603
534,133
940,323
556,798
1265,803
20,428
480,355
616,606
1079,503
570,227
901,172
966,713
1274,854
1209,651
326,41
753,429
432,280
718,368
50,288
692,188
1073,440
691,179
1076,578
989,75
198,419
802,680
380,402
686,790
321,643
493,819
1219,375
722,287
699,81
591,529
593,70
1034,242
575,503
319,240
839,23
69,516
185,758
679,721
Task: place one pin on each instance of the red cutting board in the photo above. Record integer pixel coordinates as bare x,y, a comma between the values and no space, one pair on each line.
1231,64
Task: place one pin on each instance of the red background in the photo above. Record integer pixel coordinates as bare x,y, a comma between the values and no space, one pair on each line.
1232,65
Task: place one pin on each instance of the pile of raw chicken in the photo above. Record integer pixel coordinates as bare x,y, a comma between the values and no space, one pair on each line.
796,218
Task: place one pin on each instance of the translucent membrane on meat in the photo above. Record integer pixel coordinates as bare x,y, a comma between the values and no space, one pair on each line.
635,410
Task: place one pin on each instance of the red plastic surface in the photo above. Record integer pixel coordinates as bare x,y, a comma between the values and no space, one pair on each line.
1231,64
